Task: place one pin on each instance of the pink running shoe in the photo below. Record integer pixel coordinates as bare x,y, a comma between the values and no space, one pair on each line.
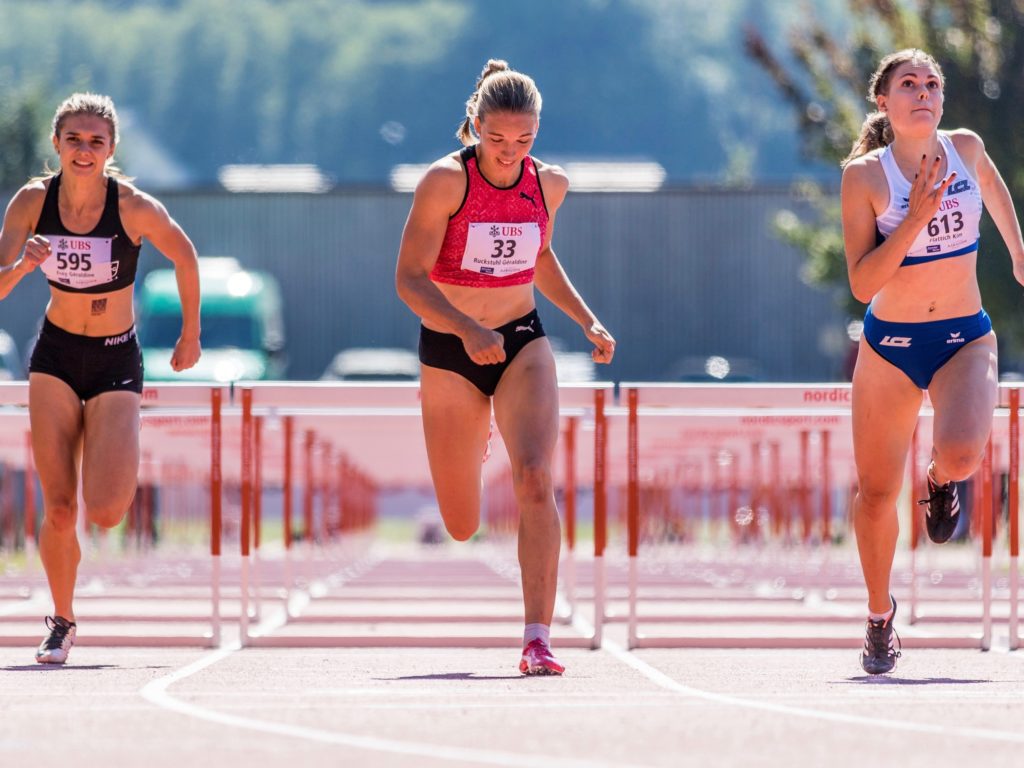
538,660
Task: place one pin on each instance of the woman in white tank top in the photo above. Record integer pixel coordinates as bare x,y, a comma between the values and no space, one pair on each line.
911,202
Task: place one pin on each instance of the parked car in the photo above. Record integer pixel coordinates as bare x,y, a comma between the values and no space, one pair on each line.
242,324
373,364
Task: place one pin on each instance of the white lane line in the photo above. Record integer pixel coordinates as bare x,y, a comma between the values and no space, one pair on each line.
156,693
661,679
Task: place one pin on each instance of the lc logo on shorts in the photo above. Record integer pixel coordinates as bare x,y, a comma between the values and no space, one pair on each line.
895,341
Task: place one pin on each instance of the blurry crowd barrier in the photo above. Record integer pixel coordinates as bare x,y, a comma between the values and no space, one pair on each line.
718,515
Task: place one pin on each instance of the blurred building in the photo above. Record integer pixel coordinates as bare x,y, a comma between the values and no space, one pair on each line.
677,275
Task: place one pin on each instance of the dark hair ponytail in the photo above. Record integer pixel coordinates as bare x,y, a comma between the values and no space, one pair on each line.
876,132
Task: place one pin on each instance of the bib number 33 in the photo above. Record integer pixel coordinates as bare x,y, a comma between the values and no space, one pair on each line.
501,249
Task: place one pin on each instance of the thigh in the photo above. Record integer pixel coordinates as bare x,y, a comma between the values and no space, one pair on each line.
110,447
526,405
55,417
886,404
964,392
456,421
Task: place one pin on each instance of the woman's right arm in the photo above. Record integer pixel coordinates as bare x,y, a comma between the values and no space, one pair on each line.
16,240
869,265
437,196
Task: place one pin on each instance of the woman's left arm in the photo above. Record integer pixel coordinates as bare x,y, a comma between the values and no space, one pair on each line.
997,200
554,283
152,221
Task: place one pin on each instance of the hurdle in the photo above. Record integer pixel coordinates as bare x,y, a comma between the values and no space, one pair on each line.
161,405
1011,396
583,407
791,405
341,414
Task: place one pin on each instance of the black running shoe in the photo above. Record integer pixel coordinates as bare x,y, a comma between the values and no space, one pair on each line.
943,512
55,647
880,654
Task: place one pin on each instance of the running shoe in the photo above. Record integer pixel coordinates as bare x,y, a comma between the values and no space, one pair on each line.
55,647
943,511
880,654
538,660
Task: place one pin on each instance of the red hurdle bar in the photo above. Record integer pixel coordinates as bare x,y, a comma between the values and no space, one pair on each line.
826,487
246,532
1013,513
216,492
569,494
916,514
600,514
30,496
987,519
633,506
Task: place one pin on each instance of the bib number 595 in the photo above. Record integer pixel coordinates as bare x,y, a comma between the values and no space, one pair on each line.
74,261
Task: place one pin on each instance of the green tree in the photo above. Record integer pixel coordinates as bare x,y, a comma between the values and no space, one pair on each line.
24,124
823,75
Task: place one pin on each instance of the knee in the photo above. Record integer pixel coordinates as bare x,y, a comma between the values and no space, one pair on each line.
958,461
460,526
876,502
533,484
106,514
460,532
61,516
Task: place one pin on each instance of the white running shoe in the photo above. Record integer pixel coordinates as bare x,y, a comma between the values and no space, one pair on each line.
55,647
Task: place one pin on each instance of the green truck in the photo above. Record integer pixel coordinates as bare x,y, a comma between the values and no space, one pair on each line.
243,329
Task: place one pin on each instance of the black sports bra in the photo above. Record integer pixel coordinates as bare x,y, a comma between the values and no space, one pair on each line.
100,261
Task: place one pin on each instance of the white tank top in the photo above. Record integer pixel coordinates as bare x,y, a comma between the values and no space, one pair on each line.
954,229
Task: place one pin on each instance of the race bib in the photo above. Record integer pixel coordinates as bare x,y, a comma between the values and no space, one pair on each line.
501,249
79,262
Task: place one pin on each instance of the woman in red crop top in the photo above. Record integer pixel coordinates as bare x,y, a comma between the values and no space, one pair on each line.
83,228
477,239
911,200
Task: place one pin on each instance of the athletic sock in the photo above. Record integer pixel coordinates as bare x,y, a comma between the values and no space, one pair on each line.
881,616
535,631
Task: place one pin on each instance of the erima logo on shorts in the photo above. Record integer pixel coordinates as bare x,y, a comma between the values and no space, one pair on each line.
954,338
895,341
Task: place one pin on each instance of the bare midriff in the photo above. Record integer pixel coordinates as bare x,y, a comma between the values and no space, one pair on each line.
92,314
491,307
937,290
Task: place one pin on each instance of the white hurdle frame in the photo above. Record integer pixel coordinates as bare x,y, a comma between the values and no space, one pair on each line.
164,399
347,399
808,396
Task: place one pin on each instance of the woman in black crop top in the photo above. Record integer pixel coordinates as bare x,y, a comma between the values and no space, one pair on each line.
83,228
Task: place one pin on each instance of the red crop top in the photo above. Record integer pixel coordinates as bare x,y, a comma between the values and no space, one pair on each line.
494,238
